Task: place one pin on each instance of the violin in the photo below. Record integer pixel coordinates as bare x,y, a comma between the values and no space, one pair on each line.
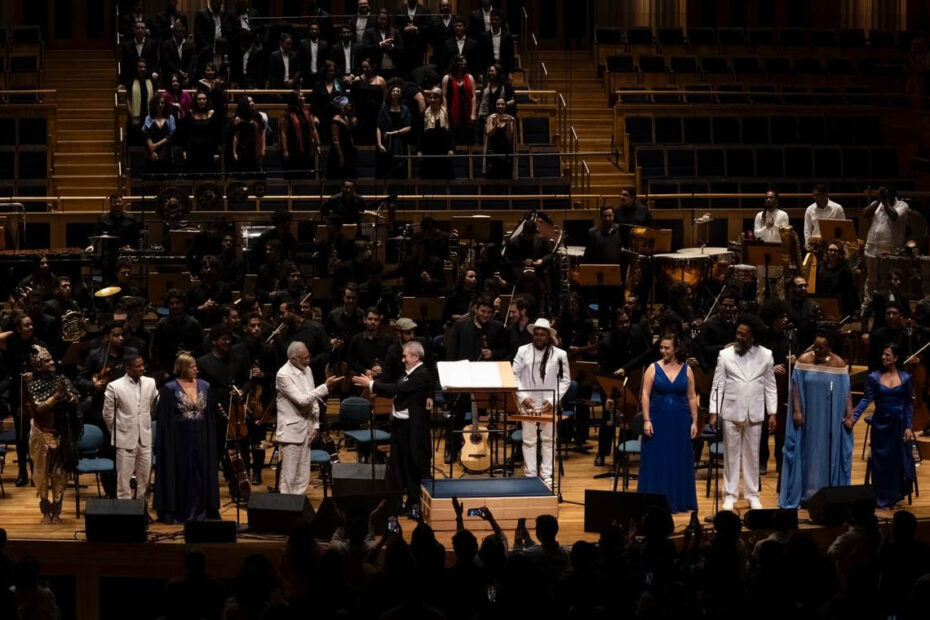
236,427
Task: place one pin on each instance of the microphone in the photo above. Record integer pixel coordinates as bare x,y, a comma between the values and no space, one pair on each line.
133,484
561,371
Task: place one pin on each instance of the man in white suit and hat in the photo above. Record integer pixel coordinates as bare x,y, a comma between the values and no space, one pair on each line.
742,393
540,365
128,403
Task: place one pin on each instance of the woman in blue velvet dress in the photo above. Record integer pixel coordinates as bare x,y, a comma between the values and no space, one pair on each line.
186,480
891,464
669,405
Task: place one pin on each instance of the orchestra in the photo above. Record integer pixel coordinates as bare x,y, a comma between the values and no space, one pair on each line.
280,328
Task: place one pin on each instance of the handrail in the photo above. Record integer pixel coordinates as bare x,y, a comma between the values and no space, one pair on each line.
586,180
574,170
665,92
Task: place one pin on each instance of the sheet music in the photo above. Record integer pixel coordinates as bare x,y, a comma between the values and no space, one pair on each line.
465,374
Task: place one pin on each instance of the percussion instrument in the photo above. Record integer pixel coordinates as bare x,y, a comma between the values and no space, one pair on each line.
675,267
740,275
705,251
573,254
108,291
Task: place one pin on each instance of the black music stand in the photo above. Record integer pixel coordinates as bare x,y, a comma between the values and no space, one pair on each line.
765,255
347,231
618,391
472,227
599,275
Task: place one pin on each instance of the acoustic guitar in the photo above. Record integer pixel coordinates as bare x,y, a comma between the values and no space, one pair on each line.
476,450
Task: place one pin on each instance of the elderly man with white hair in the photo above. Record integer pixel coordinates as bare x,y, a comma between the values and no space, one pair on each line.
300,405
410,442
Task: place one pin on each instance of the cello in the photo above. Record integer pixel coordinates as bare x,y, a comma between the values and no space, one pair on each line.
236,429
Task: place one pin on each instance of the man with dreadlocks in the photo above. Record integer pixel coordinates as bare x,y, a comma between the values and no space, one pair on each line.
51,402
540,365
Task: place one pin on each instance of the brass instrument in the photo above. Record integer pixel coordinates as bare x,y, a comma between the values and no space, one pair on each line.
795,265
73,326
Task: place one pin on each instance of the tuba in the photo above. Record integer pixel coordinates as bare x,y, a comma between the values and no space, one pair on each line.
795,264
73,326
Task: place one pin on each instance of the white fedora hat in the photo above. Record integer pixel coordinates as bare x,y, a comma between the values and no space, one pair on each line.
544,324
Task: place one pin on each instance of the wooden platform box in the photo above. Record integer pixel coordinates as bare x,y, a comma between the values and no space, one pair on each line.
509,499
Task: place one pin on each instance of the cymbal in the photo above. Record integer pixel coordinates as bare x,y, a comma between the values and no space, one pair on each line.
103,237
374,214
109,291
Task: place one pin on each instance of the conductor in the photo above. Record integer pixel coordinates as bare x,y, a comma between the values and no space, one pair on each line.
410,443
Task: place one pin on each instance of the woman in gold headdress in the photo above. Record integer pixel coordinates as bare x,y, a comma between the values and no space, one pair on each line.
51,403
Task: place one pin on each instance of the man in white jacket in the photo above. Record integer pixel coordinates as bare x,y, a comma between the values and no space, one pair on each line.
300,405
742,392
540,365
127,404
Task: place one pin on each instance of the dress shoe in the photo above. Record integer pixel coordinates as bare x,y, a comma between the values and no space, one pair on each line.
728,504
763,470
22,480
256,479
599,460
414,513
755,504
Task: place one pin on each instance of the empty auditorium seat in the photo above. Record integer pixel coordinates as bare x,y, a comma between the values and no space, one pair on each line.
840,66
609,36
851,38
792,37
683,64
711,162
621,63
715,65
732,93
808,66
695,93
671,36
536,130
731,36
697,130
639,129
652,64
778,65
639,36
798,161
652,161
746,65
822,37
666,95
759,37
701,36
726,130
740,162
755,130
629,94
668,129
881,39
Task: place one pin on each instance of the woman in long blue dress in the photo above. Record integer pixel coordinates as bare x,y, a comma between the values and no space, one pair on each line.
186,482
818,439
669,405
891,464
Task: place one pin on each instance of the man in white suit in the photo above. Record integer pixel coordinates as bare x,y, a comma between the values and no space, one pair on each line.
128,403
743,391
540,365
299,408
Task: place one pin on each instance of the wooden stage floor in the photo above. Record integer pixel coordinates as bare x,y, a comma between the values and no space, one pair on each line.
20,516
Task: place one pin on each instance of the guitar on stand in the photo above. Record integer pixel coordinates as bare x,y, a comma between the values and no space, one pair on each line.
476,450
240,489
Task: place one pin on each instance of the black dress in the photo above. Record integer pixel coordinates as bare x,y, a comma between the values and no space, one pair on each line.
246,161
321,104
436,140
349,154
367,99
500,154
156,132
203,139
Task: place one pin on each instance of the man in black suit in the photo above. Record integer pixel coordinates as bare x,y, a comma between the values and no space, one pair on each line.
164,22
140,46
497,45
385,46
127,23
178,56
413,21
316,15
442,30
284,66
479,21
249,69
313,52
460,45
210,24
346,54
410,442
361,21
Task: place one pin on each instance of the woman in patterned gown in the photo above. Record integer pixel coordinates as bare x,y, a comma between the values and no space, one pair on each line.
186,483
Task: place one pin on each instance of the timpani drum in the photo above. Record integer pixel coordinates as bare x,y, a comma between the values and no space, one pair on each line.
705,251
675,267
741,275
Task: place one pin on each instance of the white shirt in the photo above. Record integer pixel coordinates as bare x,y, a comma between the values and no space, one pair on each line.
886,234
314,46
814,214
411,13
487,18
446,20
526,371
360,22
347,52
769,235
139,47
244,21
496,44
461,45
217,25
245,60
287,65
181,50
403,414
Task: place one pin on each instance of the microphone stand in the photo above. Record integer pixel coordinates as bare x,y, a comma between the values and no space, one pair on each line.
614,472
716,468
556,417
830,444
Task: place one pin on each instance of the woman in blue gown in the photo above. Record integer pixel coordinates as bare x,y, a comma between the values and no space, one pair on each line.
818,439
669,405
186,480
891,464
